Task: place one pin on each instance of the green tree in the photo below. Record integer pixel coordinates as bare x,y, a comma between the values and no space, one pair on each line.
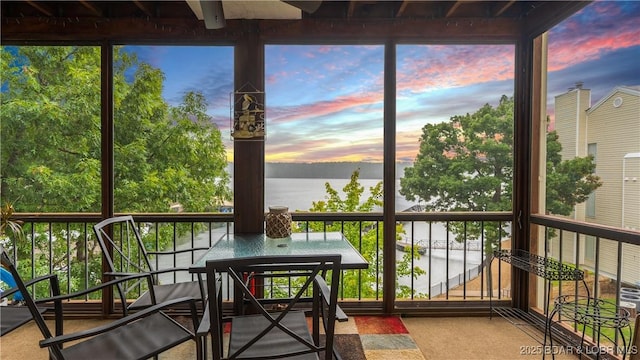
50,108
366,236
569,182
466,164
51,147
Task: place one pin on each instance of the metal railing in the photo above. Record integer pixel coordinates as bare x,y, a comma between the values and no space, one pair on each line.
445,254
609,258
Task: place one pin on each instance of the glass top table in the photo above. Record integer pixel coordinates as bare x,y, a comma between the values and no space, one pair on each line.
245,245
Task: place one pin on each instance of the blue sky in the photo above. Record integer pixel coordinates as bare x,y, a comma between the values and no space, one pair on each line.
324,102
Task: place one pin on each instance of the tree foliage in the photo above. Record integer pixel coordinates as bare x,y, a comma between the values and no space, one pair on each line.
569,182
466,164
51,136
366,236
50,152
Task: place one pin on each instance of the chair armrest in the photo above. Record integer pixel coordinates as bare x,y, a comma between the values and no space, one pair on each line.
118,323
340,314
202,331
51,277
205,323
326,296
120,274
167,270
100,287
148,273
154,272
177,251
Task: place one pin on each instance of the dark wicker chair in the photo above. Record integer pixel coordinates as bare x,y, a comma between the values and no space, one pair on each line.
126,254
142,335
274,326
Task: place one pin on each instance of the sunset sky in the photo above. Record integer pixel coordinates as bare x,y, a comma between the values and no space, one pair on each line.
324,102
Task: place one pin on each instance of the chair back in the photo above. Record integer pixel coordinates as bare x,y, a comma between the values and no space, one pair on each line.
123,249
273,288
6,261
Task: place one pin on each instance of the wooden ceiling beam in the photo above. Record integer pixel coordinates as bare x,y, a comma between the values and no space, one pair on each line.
451,9
402,8
184,31
402,30
44,9
167,22
542,18
96,12
352,8
144,7
503,7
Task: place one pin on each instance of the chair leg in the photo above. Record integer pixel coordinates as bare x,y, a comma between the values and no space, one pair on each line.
201,348
336,354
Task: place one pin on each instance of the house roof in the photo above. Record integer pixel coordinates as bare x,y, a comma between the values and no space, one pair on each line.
630,90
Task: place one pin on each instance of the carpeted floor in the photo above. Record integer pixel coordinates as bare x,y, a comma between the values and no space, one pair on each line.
360,338
477,338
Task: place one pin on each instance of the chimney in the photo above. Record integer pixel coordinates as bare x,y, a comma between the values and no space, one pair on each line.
579,84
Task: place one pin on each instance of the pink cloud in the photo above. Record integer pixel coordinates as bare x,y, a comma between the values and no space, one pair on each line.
321,108
564,53
326,49
324,149
276,77
457,66
604,26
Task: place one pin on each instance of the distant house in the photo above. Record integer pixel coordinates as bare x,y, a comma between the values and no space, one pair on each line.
610,131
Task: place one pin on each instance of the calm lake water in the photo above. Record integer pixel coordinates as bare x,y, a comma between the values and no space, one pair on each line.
298,194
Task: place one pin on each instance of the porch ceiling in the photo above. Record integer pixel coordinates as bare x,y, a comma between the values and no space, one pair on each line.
91,20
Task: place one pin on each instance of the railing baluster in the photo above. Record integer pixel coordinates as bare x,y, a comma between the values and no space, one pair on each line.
68,258
43,228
